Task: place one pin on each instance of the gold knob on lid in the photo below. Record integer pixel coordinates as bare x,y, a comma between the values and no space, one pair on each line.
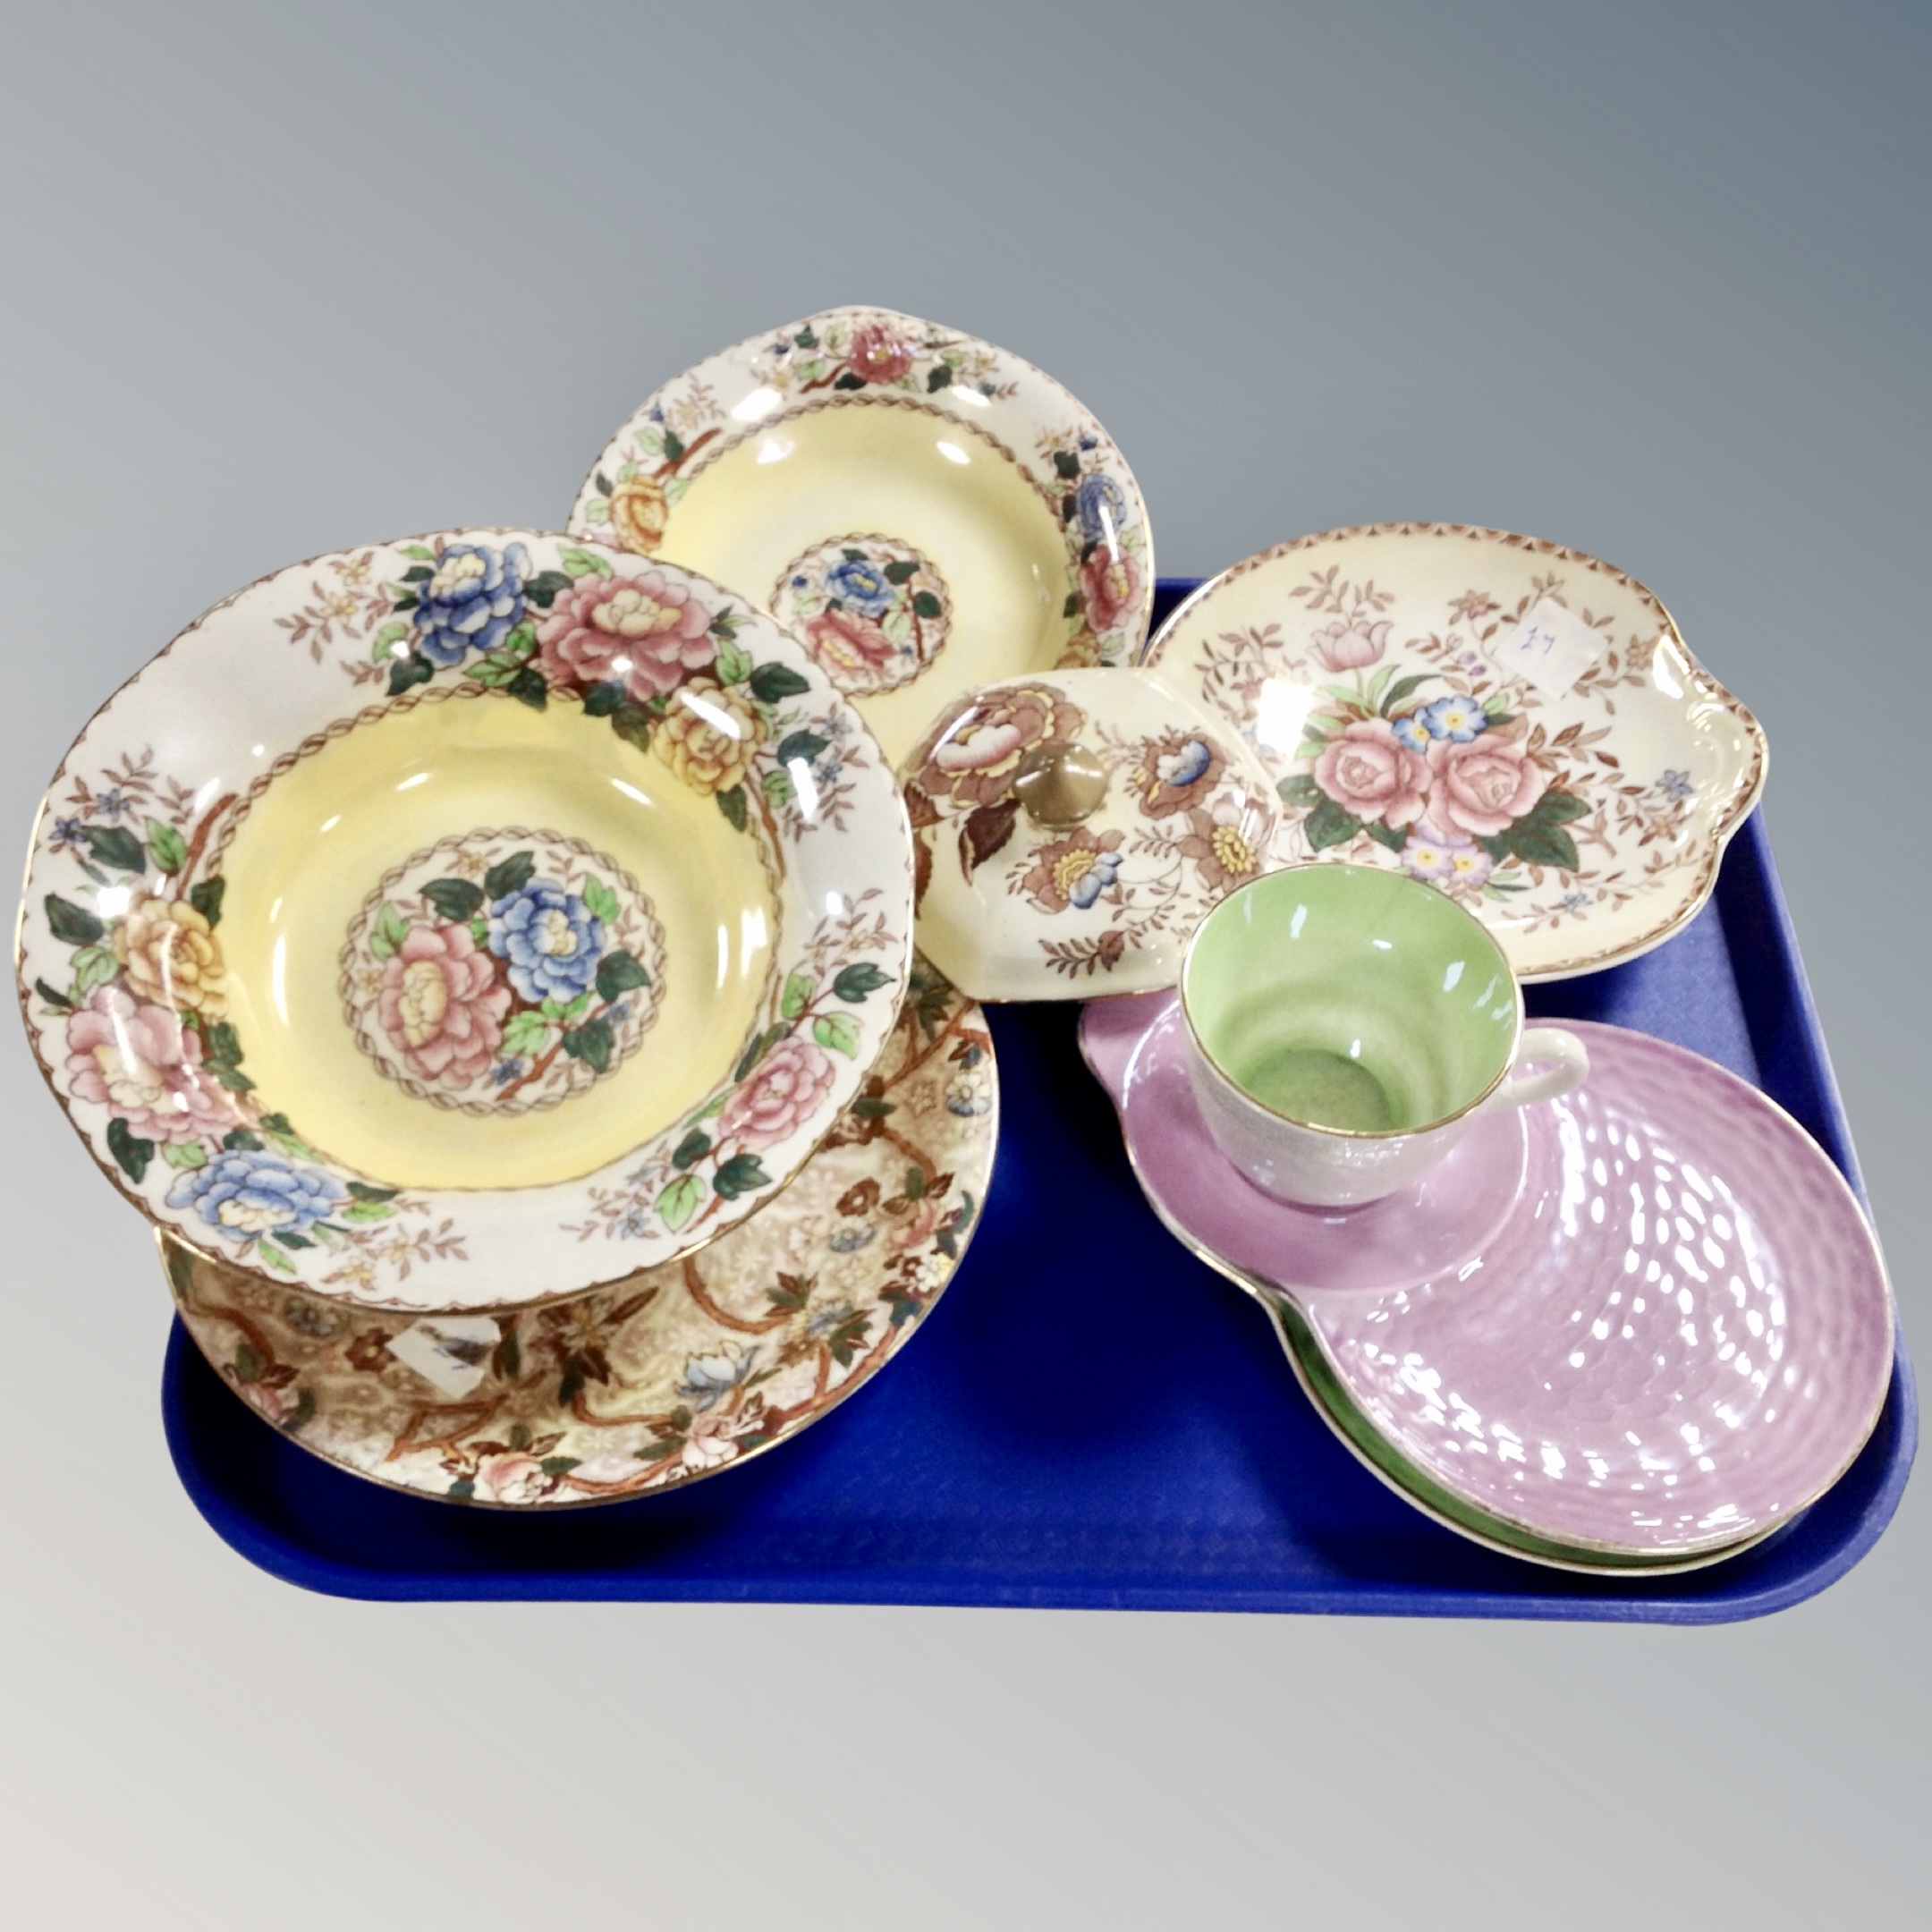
1060,785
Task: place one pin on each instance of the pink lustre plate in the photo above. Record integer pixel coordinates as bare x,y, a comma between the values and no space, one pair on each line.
672,1372
464,922
1647,1320
927,512
1517,722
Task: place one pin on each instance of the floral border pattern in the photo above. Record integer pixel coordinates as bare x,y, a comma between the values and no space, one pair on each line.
674,1373
122,983
847,355
1550,814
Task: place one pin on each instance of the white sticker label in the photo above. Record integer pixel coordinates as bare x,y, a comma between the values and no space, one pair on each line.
451,1351
1551,647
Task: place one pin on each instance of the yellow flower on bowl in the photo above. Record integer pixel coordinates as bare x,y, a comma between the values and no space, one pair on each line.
709,735
170,956
639,512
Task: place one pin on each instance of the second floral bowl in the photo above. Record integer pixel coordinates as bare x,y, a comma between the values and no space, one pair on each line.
464,922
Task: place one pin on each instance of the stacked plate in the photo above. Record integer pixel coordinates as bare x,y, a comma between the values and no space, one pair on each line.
488,960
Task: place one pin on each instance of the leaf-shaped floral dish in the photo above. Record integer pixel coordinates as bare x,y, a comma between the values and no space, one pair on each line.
927,512
1518,722
464,922
675,1372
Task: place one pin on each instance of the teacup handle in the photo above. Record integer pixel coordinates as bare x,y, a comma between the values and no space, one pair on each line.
1569,1067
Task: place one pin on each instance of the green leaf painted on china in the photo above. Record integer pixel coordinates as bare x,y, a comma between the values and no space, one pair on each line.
239,1139
525,1034
422,553
94,966
773,682
528,688
1384,835
410,669
925,605
873,1109
605,699
796,997
248,1362
578,563
207,899
1299,789
740,1175
1543,845
362,1213
848,380
132,1154
232,1077
289,1238
602,484
761,1045
71,924
1556,808
680,1201
408,601
673,444
734,805
1329,825
1402,687
510,875
600,899
418,573
693,1147
633,723
802,745
115,846
592,1043
777,788
901,571
915,1183
854,983
391,928
1067,463
57,1000
363,1191
383,648
937,379
618,973
1072,607
733,664
543,587
186,1155
271,1256
457,900
166,847
839,1032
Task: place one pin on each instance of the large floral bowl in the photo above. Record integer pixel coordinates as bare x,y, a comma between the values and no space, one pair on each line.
1519,723
928,512
465,922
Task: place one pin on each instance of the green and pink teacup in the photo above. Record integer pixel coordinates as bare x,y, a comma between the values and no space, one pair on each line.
1347,1024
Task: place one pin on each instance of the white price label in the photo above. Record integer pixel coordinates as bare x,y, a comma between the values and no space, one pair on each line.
452,1351
1551,647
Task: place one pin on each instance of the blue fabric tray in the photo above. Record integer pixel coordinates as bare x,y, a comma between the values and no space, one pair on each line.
1092,1418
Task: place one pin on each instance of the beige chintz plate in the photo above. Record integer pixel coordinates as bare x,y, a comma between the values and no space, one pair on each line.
672,1372
1519,723
927,512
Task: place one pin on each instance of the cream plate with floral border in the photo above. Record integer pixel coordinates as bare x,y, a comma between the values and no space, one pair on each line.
1519,723
1070,831
927,512
467,921
674,1373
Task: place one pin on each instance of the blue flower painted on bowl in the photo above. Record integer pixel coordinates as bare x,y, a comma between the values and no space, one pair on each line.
861,586
1677,787
1095,880
850,1240
1410,732
1454,717
472,601
246,1191
551,939
1181,767
708,1376
1101,505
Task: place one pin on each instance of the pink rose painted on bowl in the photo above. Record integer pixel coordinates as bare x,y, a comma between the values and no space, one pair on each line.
141,1061
1369,771
442,1005
845,641
877,354
790,1085
645,632
1483,787
1110,579
1348,644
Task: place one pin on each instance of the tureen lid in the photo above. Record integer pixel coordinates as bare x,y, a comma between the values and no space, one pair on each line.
1072,830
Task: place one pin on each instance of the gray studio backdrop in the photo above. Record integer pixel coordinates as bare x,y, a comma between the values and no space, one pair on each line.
1651,280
